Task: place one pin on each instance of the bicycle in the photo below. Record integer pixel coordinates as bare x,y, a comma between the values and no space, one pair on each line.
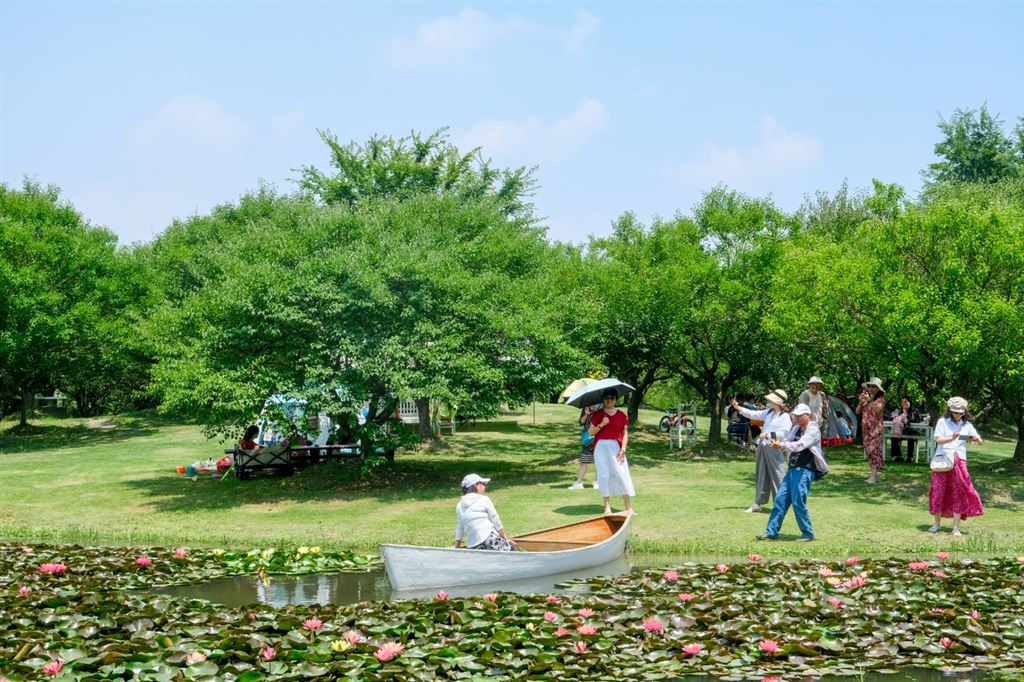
673,417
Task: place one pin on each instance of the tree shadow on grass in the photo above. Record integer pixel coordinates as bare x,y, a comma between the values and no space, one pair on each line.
43,437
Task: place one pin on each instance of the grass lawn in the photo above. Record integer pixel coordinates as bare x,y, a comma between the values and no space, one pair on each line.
113,482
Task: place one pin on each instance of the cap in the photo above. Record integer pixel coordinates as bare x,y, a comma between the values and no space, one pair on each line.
472,479
777,396
800,409
957,404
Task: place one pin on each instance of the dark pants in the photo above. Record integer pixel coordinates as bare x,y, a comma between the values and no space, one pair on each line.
896,448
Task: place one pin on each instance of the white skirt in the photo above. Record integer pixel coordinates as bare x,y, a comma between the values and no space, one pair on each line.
612,478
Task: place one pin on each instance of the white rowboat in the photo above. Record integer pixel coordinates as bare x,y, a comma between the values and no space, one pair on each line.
562,549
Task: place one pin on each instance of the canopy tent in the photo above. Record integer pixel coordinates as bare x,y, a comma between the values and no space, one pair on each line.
837,408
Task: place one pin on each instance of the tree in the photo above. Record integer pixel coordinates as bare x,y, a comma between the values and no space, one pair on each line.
974,148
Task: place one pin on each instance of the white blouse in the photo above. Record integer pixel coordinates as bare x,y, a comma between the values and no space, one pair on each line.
477,519
946,428
778,422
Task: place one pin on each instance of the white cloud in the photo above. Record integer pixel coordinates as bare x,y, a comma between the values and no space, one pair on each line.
533,141
581,29
136,211
287,123
190,120
778,153
451,40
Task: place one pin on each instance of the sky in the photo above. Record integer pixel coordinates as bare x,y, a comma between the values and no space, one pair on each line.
146,112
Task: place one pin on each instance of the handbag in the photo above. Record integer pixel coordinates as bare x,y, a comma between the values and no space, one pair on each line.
585,438
942,462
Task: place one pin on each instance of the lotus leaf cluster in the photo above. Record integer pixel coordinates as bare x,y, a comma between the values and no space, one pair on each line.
747,620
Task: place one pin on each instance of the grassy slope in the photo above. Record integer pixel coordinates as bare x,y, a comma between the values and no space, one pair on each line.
77,481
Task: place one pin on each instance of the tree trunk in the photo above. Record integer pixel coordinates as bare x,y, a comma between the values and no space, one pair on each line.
1018,451
26,405
426,425
633,406
713,394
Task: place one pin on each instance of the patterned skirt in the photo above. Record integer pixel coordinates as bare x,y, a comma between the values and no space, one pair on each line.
587,453
495,542
953,493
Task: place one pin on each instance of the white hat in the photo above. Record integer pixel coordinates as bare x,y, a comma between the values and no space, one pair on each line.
472,479
800,409
874,381
777,396
957,404
815,380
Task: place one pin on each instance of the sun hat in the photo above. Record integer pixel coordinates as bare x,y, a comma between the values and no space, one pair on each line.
472,479
800,409
874,381
957,404
777,396
815,380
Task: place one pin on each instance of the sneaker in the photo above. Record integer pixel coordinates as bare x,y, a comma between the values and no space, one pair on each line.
576,486
933,529
804,538
766,537
595,486
956,532
753,509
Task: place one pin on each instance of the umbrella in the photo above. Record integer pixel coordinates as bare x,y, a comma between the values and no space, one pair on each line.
591,393
575,386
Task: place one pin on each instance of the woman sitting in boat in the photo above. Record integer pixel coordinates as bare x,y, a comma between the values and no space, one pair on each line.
478,521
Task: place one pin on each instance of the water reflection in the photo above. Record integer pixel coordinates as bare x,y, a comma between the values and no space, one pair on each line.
350,588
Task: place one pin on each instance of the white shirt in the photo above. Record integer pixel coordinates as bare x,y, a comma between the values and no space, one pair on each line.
477,519
946,428
815,401
779,422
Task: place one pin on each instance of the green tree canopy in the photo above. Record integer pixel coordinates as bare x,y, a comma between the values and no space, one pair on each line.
974,148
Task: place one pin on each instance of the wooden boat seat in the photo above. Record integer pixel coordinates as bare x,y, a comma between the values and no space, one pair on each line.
550,545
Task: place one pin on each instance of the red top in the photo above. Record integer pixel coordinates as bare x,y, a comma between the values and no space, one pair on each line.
247,444
615,428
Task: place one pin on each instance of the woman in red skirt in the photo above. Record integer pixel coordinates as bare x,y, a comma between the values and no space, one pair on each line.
952,493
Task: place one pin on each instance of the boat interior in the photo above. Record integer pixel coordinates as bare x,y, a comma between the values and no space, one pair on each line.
571,536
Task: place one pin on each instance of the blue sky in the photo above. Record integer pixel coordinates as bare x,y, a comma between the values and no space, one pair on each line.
143,112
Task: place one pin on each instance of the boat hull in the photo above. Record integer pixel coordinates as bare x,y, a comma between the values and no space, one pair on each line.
416,568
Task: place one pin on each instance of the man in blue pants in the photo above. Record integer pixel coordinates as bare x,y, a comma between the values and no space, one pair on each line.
803,443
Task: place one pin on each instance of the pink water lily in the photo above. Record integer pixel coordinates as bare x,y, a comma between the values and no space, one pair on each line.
852,561
180,553
938,610
388,651
834,581
24,590
1020,560
721,568
353,637
771,678
144,561
586,630
561,632
53,667
585,613
755,557
918,565
268,653
939,574
976,614
552,599
493,598
195,657
313,624
824,571
550,617
946,642
686,596
670,575
692,649
442,595
855,582
769,646
942,555
654,625
52,568
834,601
29,550
580,647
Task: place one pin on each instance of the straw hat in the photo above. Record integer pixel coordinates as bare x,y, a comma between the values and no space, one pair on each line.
957,404
777,396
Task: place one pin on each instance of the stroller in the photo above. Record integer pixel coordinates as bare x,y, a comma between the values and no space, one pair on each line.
739,427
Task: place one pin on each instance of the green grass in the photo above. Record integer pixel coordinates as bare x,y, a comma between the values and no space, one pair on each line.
113,482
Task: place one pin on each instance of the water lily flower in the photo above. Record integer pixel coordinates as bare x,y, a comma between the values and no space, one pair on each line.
442,595
771,678
180,553
353,637
1020,559
755,557
686,596
834,601
942,555
340,646
144,561
855,582
670,575
313,624
218,552
552,599
303,550
267,553
388,651
654,625
976,614
585,612
195,657
721,568
769,646
29,550
586,630
561,632
53,667
834,581
692,649
55,568
824,571
550,617
493,598
946,642
918,565
314,550
268,653
24,590
938,611
580,647
939,574
852,561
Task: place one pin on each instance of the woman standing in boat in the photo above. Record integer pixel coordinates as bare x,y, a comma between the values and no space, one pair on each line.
609,427
478,521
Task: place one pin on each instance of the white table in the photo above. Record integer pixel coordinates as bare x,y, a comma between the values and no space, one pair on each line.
925,432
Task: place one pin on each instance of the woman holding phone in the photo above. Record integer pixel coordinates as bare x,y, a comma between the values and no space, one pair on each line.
952,493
